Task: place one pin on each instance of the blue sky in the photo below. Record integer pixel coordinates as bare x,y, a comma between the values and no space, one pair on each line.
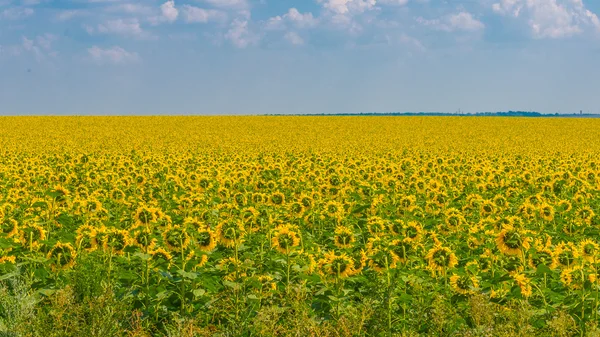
290,56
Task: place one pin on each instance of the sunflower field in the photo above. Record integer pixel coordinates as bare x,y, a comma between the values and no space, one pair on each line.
299,226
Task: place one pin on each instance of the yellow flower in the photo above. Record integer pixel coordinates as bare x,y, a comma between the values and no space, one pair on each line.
284,239
589,250
524,284
176,238
440,259
464,285
511,241
344,237
206,240
230,233
61,256
334,265
86,238
160,253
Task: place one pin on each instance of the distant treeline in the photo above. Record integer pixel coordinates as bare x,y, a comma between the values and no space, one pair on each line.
498,113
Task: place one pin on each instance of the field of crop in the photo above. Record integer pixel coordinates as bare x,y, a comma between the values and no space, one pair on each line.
299,226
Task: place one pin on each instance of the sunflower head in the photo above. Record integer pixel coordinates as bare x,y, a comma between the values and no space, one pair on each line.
511,241
61,256
116,240
344,237
230,233
145,215
206,240
336,266
464,284
523,283
160,255
176,238
285,239
440,259
589,250
86,238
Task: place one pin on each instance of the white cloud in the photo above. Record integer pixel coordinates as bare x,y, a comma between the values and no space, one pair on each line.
130,8
550,18
113,55
294,38
299,19
40,46
123,27
462,21
45,41
351,7
393,2
294,17
16,13
168,13
193,14
233,4
69,14
239,34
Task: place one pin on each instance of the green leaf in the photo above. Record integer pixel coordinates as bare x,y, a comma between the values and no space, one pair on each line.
199,292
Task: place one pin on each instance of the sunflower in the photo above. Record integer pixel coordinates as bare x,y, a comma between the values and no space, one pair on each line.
464,284
250,218
546,212
32,236
576,277
540,257
564,206
8,259
511,241
375,225
202,262
413,231
10,227
176,238
86,238
454,219
206,240
193,223
267,284
285,239
62,256
589,250
60,194
145,215
400,251
565,255
116,240
277,198
527,210
296,209
230,233
523,283
333,265
344,237
142,237
232,268
440,259
585,214
487,208
407,203
334,209
396,227
160,254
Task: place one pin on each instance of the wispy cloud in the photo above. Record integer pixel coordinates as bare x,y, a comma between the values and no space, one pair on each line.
112,55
